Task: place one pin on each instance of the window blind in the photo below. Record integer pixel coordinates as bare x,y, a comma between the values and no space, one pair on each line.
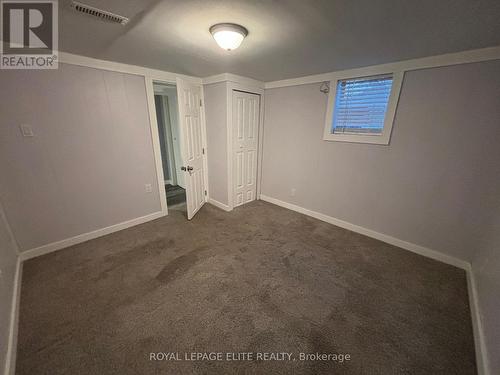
360,105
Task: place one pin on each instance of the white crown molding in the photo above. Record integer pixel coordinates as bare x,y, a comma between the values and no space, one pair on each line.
90,62
465,57
215,79
229,77
155,74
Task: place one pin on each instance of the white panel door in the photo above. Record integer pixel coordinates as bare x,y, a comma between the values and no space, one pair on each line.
246,109
189,99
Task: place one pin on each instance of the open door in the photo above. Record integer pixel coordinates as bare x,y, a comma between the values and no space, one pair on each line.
189,99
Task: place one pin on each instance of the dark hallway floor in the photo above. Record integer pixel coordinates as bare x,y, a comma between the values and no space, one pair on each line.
175,195
258,279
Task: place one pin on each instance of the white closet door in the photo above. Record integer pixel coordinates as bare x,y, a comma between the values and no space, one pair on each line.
245,140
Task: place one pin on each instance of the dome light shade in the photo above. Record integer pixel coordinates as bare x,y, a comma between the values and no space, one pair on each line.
228,35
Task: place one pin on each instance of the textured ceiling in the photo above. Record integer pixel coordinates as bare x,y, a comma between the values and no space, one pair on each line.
287,38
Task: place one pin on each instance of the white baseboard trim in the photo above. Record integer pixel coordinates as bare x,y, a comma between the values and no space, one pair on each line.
220,205
479,342
477,325
436,61
371,233
10,359
54,246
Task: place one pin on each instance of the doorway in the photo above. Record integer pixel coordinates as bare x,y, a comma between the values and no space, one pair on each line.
166,105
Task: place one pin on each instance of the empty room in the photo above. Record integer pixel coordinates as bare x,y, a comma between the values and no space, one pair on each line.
249,187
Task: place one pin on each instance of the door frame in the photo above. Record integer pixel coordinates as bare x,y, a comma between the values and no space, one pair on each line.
204,142
230,87
155,138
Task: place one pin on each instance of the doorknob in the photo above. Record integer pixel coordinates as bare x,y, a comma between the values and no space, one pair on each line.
189,169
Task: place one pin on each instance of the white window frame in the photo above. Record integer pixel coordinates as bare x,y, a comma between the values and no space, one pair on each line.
380,139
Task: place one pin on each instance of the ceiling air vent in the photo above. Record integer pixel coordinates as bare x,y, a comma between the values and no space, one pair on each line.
98,13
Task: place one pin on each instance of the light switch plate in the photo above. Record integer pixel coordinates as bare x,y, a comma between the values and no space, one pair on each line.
26,130
148,188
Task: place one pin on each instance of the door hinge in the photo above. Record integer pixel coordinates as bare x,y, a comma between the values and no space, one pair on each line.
205,192
203,151
201,105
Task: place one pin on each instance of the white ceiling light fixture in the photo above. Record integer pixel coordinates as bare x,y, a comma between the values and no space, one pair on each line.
228,35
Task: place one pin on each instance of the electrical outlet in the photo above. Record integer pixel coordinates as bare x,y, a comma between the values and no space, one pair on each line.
292,192
26,130
148,188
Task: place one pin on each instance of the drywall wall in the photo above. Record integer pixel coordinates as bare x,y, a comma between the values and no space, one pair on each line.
424,187
90,157
486,270
8,263
216,123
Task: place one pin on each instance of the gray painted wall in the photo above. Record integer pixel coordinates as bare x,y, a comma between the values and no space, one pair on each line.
8,261
89,160
424,187
216,121
437,184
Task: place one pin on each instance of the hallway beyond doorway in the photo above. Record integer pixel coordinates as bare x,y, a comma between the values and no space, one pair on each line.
175,195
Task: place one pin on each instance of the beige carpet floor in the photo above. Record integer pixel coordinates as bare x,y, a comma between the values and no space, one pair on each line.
260,279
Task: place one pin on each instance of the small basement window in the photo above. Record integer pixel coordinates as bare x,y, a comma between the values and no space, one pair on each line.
361,109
